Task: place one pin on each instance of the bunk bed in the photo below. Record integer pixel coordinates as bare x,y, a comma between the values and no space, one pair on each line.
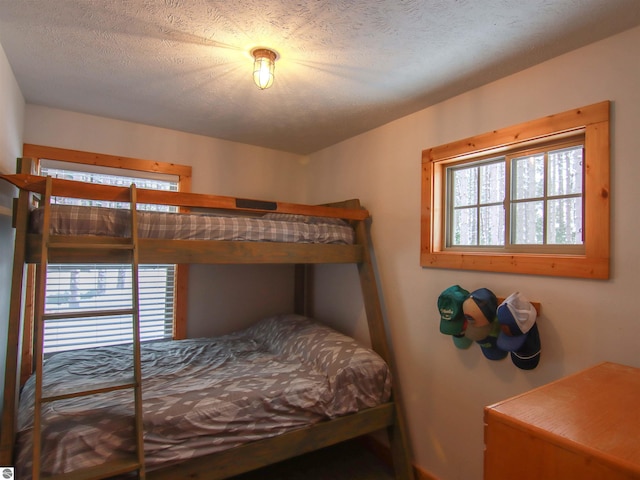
348,241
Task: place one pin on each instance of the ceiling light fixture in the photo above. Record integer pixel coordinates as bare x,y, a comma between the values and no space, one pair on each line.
263,66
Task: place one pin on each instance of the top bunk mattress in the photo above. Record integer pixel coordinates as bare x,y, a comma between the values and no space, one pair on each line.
271,227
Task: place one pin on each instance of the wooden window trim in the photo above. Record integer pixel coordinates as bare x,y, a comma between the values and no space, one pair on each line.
183,172
594,263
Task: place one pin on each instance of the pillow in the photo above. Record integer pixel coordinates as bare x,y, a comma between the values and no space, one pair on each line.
340,357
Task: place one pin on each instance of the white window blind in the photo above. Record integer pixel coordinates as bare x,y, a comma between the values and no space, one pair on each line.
91,287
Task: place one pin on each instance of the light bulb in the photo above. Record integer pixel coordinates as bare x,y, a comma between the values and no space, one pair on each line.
263,67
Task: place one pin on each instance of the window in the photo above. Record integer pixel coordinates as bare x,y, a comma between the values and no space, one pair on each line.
91,283
527,200
85,287
533,198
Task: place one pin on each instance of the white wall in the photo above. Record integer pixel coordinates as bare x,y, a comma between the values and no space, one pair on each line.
583,322
219,167
11,119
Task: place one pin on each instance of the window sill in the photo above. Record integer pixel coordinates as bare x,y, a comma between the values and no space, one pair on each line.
579,266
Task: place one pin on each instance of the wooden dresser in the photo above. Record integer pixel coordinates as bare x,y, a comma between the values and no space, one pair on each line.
585,426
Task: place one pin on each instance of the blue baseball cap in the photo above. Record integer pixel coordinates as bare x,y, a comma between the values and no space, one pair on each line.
527,356
479,311
517,316
489,345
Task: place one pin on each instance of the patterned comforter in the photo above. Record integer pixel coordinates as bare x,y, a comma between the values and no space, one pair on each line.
201,395
272,227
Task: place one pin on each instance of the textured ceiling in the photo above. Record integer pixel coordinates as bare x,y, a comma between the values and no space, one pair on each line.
345,66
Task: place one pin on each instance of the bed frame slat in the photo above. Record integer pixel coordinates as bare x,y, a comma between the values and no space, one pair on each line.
258,454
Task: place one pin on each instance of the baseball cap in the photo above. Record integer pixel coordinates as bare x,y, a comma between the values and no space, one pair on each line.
489,344
460,340
450,307
479,311
517,316
527,356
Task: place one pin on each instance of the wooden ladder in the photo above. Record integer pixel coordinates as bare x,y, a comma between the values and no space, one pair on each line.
135,462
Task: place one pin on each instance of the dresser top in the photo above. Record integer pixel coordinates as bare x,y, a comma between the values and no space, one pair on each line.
595,410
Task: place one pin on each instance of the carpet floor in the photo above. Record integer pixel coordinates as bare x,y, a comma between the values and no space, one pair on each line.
345,461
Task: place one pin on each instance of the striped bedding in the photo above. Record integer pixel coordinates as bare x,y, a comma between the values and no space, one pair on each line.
202,395
271,227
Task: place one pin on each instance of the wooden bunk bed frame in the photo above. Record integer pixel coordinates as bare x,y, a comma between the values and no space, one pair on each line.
256,454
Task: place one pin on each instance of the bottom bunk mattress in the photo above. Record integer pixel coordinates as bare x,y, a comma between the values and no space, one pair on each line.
202,395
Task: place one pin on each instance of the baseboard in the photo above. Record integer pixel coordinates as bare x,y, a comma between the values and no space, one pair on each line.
383,452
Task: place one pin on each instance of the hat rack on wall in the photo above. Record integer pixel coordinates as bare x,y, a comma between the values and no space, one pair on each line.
501,326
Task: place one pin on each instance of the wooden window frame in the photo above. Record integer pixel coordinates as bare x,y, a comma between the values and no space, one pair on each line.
182,172
593,263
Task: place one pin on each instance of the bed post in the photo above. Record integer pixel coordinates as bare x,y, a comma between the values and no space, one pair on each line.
302,289
15,330
398,433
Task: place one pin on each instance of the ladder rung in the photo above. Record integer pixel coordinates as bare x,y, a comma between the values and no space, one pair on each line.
91,246
105,470
89,314
103,388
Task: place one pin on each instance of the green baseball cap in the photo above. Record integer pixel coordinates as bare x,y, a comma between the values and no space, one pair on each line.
461,341
450,307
